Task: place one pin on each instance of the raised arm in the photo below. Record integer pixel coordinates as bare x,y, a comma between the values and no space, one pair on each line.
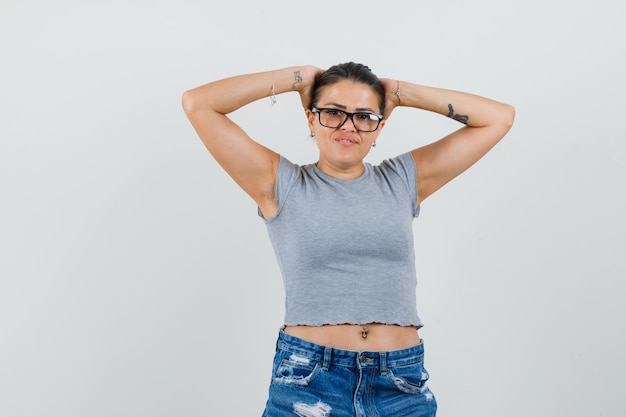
250,164
486,122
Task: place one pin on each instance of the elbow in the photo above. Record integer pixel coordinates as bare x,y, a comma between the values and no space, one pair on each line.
508,116
189,101
197,101
503,118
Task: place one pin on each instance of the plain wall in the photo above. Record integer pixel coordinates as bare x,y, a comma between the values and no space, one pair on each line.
137,280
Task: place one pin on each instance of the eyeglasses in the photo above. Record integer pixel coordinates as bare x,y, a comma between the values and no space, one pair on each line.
334,118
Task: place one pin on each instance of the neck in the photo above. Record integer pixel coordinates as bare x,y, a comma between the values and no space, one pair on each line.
341,172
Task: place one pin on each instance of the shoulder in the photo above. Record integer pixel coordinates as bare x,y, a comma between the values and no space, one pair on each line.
288,169
402,165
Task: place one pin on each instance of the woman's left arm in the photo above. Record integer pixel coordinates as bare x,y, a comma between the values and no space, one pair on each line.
486,122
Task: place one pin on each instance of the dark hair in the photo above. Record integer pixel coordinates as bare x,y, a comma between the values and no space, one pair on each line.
348,71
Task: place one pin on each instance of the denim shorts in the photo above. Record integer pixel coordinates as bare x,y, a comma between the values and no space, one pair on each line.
311,380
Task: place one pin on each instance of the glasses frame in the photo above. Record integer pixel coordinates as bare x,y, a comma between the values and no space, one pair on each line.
348,115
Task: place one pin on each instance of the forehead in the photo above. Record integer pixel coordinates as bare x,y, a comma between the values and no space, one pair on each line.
350,94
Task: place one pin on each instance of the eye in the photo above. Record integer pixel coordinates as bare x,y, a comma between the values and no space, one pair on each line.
366,116
333,112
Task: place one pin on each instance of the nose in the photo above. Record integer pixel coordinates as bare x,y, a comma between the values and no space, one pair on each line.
351,126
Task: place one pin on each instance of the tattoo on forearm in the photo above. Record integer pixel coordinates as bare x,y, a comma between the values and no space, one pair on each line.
297,79
463,118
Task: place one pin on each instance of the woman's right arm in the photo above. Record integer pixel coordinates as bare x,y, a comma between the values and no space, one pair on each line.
250,164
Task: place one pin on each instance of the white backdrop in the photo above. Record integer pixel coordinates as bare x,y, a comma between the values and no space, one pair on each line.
137,280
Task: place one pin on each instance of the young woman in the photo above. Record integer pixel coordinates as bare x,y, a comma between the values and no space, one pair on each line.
341,229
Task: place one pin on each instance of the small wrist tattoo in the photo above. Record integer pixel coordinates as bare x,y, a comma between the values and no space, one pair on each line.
463,118
297,79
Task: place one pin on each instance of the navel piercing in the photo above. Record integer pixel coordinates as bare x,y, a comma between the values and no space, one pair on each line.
364,332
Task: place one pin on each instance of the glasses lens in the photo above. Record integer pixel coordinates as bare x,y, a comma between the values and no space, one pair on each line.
332,118
365,122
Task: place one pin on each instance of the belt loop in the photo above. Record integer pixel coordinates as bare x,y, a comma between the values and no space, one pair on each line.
326,360
383,363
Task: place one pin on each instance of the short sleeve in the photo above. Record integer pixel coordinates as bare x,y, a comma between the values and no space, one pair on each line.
403,166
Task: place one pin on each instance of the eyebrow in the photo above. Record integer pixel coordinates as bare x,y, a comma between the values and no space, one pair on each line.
342,107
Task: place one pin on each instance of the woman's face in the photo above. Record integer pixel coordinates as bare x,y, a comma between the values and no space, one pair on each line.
342,149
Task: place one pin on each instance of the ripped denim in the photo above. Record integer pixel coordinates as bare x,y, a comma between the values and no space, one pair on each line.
310,380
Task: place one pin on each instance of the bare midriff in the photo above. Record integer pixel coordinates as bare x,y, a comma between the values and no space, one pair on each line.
374,337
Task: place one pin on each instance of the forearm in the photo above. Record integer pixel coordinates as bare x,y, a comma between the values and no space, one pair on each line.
469,109
229,94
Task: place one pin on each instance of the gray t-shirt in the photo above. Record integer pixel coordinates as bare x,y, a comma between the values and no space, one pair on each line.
345,247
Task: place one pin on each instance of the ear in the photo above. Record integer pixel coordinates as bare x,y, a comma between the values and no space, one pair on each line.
380,128
310,116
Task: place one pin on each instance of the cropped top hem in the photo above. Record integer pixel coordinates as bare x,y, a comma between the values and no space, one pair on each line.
418,325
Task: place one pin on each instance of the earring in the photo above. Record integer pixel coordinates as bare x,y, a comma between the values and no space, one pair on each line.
312,135
374,144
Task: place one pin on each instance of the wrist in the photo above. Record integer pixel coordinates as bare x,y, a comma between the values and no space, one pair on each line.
398,92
